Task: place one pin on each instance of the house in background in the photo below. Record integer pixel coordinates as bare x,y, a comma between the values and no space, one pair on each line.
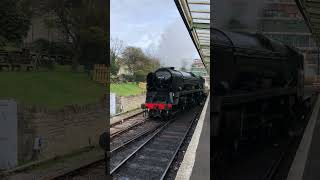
123,68
199,69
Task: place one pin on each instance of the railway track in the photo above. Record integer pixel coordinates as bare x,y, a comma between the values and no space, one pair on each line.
153,154
96,169
276,163
272,172
131,141
266,160
126,124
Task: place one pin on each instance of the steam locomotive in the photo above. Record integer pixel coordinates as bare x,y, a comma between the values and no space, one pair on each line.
258,83
170,90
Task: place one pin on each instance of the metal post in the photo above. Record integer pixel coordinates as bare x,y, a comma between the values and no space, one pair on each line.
318,59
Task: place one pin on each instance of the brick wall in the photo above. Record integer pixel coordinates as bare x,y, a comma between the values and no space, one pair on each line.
62,131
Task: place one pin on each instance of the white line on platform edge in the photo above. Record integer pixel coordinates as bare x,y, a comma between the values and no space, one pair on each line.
299,162
186,166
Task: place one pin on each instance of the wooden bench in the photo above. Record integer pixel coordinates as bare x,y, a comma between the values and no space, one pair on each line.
21,61
45,61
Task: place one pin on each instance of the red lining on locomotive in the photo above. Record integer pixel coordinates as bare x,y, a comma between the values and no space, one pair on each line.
160,106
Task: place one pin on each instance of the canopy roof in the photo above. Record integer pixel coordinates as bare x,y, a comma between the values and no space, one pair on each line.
196,16
310,9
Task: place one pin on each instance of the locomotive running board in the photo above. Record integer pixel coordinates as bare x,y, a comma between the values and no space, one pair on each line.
190,91
249,97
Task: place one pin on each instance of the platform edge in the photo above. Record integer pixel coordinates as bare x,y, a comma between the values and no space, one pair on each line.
186,167
297,167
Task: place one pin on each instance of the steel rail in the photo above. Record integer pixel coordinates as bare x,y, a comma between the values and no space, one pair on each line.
178,148
275,165
140,147
125,119
135,138
127,129
271,172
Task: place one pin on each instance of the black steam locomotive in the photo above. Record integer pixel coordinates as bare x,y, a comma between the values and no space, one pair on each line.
257,84
170,90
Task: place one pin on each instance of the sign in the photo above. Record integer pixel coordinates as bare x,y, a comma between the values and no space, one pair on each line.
113,104
8,134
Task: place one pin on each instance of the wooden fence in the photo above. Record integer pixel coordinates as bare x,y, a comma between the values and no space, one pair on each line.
100,73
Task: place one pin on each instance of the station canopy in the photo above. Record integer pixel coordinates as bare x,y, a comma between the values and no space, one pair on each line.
196,16
310,10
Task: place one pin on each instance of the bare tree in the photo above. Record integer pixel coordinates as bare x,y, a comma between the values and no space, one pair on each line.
151,51
116,47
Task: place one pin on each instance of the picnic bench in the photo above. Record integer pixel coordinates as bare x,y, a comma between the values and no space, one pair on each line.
26,61
4,61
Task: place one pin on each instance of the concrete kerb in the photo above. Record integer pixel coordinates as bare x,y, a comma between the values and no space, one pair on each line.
38,163
187,164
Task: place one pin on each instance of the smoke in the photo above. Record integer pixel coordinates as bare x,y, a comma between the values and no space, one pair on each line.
237,14
175,47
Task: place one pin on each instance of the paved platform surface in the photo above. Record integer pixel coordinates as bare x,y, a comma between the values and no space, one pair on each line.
312,166
306,164
201,168
196,162
52,168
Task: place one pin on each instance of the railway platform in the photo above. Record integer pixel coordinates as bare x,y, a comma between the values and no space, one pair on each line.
196,162
306,164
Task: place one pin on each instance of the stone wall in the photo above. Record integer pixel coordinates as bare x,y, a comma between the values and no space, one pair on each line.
131,102
61,131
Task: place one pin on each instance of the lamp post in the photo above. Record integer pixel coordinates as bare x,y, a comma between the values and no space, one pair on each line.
318,59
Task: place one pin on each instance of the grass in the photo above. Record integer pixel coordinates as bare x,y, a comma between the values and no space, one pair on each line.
51,89
126,89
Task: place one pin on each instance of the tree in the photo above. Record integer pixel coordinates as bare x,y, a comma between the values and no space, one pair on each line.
139,63
133,57
14,22
116,48
84,23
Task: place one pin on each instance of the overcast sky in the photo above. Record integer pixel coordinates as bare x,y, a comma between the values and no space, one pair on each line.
153,24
